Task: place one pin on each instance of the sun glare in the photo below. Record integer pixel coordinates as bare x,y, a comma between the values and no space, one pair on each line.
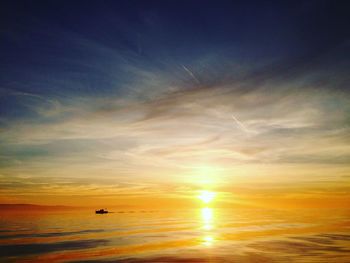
206,196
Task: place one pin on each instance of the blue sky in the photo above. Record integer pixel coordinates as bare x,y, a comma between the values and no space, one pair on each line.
144,97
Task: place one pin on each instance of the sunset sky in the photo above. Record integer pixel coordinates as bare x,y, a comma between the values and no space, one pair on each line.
145,104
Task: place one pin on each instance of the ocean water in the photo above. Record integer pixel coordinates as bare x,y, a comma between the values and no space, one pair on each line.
199,235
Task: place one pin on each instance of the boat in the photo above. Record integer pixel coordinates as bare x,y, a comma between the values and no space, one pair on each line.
101,211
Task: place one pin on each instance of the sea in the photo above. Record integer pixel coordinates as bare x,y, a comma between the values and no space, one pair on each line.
192,235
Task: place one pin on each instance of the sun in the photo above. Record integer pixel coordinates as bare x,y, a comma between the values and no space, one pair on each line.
206,196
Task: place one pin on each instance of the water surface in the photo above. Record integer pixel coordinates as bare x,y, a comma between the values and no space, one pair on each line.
200,235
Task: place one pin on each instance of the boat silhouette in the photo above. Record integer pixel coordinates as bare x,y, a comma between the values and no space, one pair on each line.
101,211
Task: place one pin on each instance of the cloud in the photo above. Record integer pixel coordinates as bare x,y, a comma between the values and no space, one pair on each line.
133,117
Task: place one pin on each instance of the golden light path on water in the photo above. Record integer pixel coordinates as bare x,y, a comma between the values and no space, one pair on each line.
207,232
207,216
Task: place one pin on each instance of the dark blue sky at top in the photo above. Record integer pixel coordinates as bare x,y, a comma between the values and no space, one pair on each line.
63,49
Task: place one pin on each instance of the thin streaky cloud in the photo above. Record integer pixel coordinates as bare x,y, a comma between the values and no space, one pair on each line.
191,74
240,124
150,99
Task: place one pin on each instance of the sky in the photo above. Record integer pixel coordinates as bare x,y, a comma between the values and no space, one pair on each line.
145,103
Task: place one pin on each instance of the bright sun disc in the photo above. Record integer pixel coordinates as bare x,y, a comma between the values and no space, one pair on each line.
206,196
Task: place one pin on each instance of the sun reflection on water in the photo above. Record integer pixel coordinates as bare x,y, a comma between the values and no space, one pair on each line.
208,240
207,219
207,215
208,227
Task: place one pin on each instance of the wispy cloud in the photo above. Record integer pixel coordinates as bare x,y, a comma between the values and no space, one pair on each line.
125,117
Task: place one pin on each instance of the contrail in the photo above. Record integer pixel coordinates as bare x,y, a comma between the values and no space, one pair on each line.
240,124
20,93
191,74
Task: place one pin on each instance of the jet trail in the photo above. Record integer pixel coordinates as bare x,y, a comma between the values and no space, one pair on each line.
191,74
240,124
